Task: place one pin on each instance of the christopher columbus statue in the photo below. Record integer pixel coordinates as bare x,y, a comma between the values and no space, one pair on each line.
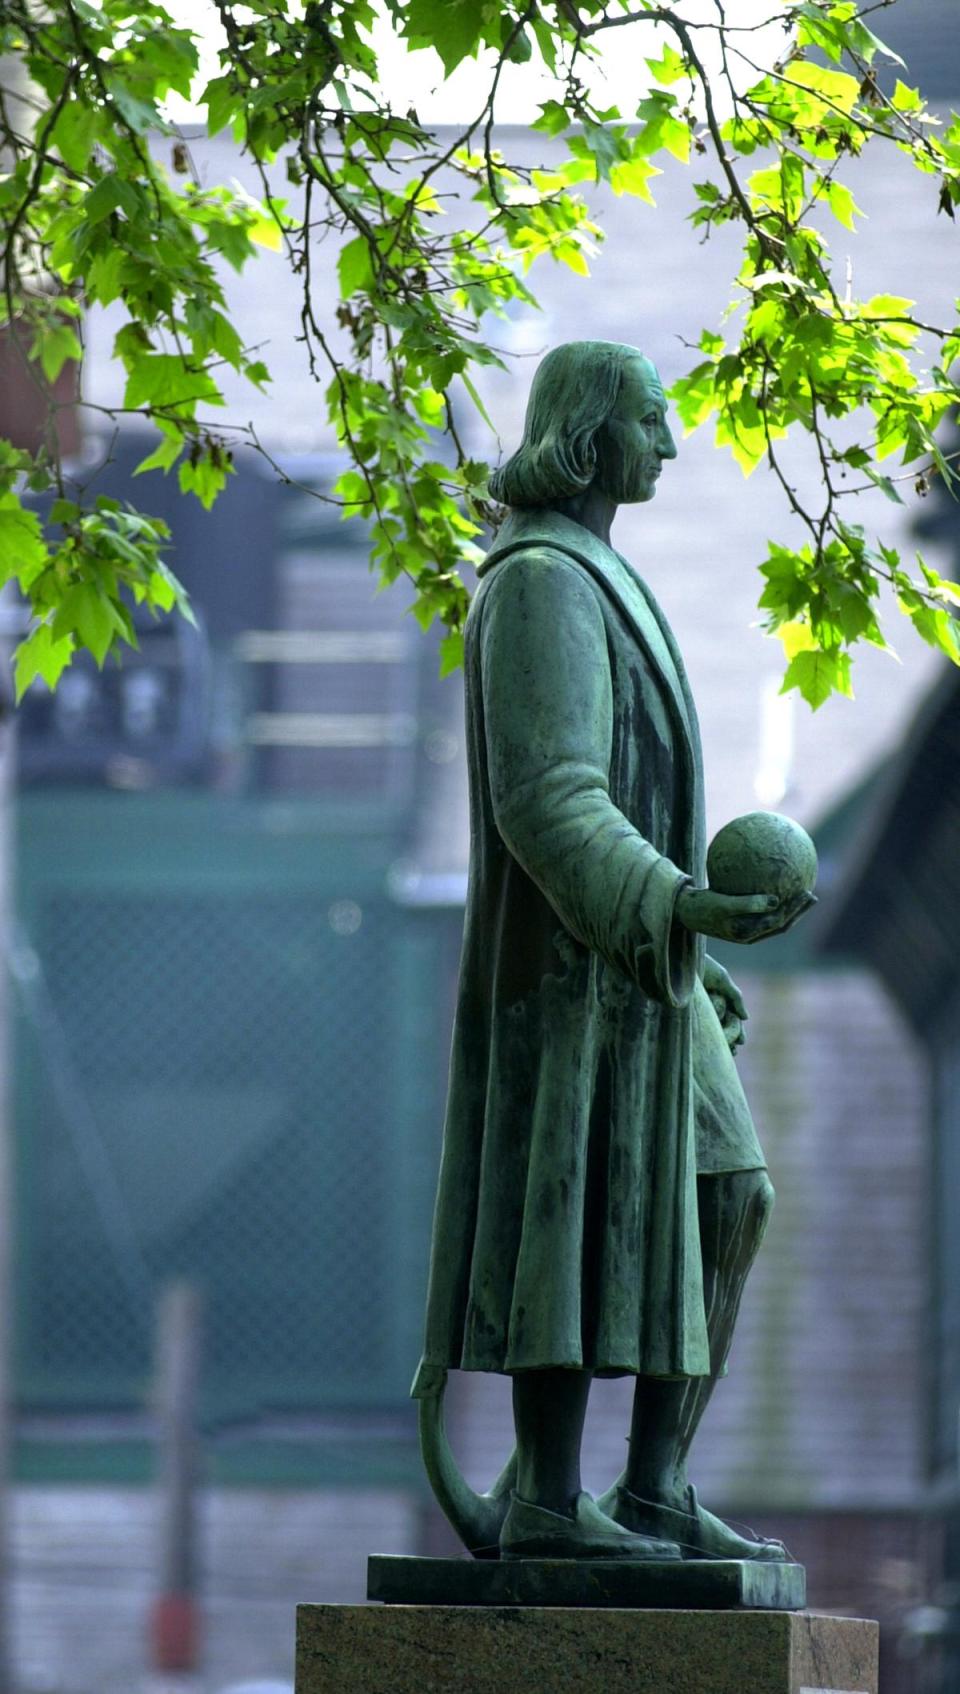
602,1192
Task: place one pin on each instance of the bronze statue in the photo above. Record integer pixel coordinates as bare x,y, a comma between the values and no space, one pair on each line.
602,1192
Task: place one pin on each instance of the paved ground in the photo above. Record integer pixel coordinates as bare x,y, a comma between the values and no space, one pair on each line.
83,1580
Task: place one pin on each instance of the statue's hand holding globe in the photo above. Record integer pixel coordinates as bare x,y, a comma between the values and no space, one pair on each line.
761,872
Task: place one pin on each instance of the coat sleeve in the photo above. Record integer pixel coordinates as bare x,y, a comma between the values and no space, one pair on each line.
548,715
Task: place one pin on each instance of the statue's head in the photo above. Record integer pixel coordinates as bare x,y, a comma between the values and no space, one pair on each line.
596,415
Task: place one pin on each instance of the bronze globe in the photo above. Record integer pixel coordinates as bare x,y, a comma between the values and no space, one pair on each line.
762,853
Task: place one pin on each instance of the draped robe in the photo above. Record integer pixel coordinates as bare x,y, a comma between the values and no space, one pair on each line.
589,1076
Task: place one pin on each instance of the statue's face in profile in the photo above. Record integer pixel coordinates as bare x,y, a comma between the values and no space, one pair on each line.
635,440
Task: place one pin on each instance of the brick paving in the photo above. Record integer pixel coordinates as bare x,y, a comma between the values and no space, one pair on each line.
83,1580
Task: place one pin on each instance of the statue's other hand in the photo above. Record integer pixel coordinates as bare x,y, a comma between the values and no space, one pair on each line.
727,1002
744,918
731,1025
719,984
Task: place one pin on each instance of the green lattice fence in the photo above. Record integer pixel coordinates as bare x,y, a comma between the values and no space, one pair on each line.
230,1054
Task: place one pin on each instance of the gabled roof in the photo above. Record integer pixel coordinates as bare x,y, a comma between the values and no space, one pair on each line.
897,905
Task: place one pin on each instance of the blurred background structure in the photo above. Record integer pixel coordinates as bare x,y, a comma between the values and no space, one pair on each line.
233,937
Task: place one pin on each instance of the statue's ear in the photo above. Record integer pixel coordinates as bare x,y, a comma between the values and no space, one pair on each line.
583,455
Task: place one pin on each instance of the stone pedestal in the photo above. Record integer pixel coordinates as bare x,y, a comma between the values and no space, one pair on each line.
580,1650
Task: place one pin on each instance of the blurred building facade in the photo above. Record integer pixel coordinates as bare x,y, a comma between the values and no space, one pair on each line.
226,998
240,866
897,910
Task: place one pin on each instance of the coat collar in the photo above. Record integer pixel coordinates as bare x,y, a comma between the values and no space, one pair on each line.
542,528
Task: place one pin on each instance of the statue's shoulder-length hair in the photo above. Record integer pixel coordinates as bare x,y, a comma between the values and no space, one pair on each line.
574,391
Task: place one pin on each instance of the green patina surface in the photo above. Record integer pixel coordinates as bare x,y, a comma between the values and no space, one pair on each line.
718,1584
592,1085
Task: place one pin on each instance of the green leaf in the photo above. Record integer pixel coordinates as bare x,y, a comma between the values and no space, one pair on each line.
662,128
545,42
354,490
354,267
884,483
105,272
869,45
172,585
142,115
797,637
572,256
111,194
453,27
265,230
741,429
54,343
632,176
161,593
40,655
173,60
842,204
604,144
166,453
906,99
205,477
938,628
670,67
64,511
554,118
23,551
164,379
837,87
85,611
221,102
451,652
941,586
211,332
887,306
853,613
695,395
73,135
818,29
481,408
786,592
431,407
818,674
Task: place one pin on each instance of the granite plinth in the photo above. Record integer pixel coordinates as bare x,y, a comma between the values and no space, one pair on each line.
695,1584
567,1650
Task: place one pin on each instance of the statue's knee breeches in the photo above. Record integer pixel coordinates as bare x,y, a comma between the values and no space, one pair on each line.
735,1209
754,1195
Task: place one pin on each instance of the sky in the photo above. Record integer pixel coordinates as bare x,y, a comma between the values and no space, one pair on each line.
620,77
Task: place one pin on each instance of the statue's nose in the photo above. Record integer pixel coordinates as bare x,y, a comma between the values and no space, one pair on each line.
666,447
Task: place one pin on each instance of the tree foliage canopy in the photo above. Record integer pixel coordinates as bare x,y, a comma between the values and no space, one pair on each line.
94,211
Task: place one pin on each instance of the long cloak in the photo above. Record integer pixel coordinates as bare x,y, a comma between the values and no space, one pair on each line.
565,1232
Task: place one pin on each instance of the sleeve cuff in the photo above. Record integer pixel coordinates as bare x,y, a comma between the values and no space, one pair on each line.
676,953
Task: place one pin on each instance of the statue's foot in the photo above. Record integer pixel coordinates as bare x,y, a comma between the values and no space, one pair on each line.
532,1532
697,1532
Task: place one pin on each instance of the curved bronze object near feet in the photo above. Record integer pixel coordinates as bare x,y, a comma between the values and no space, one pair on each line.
477,1518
